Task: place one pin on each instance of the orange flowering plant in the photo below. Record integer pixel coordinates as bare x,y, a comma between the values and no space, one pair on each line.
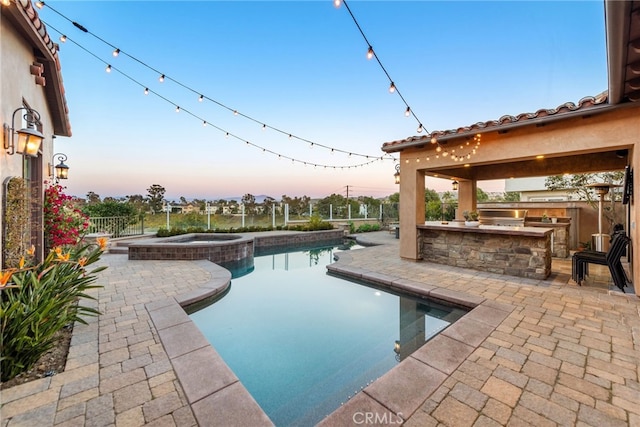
39,299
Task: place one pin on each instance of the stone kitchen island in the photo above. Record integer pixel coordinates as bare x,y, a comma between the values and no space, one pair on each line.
516,251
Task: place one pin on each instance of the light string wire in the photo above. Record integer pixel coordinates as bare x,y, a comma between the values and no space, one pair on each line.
110,68
371,53
202,96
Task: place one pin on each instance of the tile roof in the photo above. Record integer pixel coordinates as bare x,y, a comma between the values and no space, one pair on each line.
37,33
506,121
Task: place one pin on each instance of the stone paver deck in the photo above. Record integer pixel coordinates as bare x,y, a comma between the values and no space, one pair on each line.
532,353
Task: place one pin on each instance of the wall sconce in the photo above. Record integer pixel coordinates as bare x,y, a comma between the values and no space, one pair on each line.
455,185
396,175
61,170
29,139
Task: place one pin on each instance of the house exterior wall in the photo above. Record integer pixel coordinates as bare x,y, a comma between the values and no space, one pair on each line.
18,86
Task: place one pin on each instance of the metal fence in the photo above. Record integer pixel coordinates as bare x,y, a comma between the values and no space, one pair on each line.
116,226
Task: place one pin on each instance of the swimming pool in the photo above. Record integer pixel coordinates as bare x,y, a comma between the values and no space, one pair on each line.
303,342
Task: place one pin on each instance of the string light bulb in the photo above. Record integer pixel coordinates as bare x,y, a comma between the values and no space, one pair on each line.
6,2
108,69
161,79
264,127
63,38
146,91
407,113
235,112
434,140
39,4
419,130
392,88
201,98
204,123
370,53
116,52
337,3
177,109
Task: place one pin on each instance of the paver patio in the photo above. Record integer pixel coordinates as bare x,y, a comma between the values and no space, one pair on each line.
563,355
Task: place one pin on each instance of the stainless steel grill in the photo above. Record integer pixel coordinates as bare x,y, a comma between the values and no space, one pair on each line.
506,217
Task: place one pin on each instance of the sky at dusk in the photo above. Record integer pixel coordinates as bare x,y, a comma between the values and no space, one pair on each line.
301,67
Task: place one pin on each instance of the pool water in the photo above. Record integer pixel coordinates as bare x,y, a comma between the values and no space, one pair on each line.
303,342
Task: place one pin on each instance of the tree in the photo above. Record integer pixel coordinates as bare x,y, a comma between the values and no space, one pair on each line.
137,201
249,202
429,195
578,186
511,196
93,198
155,196
297,205
268,203
481,196
335,202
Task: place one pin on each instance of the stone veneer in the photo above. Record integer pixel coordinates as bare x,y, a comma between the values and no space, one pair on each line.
265,244
487,249
218,248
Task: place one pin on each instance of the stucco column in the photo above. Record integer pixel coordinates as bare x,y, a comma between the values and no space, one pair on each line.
467,197
412,209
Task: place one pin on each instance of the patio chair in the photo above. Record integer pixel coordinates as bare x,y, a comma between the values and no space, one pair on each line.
611,258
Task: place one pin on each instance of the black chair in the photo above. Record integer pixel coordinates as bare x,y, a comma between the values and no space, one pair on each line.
611,258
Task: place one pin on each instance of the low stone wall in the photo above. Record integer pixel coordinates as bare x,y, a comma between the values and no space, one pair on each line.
523,256
276,242
217,248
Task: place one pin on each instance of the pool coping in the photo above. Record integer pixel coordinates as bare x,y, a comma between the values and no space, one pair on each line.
215,393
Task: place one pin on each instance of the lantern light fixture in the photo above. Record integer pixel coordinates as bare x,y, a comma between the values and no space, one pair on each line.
29,138
455,185
61,170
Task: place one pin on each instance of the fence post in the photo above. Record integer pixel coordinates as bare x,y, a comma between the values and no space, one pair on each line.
330,212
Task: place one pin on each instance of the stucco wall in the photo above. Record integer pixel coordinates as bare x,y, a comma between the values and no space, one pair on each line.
17,85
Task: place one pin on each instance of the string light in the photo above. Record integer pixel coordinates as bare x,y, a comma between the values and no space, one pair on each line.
392,87
201,98
227,134
63,38
108,69
6,2
116,52
161,78
39,4
164,77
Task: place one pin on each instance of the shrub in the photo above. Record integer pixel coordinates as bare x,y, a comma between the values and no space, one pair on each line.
64,225
37,301
364,228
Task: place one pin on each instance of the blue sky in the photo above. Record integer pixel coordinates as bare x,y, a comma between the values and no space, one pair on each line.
300,66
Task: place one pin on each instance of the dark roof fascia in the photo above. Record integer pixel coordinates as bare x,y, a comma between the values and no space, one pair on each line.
25,19
617,16
599,109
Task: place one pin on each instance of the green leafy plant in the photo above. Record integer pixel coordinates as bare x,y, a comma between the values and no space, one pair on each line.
470,215
39,300
16,219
